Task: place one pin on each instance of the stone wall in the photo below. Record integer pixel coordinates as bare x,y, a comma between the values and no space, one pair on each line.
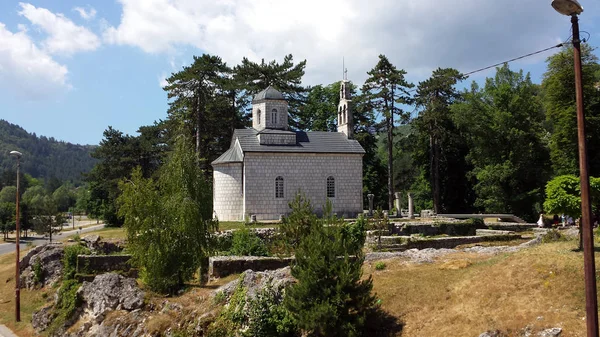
228,198
306,172
221,266
97,264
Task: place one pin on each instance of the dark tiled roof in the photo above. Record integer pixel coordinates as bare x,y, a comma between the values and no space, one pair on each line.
269,93
233,155
306,142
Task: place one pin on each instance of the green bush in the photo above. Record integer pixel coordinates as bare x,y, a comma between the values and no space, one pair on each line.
66,305
380,265
261,316
328,268
553,235
70,260
456,228
246,243
38,276
477,222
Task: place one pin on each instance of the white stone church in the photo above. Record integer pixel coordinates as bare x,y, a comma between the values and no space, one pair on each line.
267,165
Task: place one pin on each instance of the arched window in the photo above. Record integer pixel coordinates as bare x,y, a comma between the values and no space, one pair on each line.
279,187
258,116
340,116
330,187
274,116
344,116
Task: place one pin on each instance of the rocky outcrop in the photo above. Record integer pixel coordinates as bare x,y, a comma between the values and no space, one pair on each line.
41,319
48,259
255,281
102,247
109,292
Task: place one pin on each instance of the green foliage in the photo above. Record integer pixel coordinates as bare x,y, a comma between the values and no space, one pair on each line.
456,228
380,265
117,155
441,147
553,235
298,223
252,77
261,316
330,298
510,168
386,90
69,260
67,303
477,222
168,220
43,157
558,88
8,194
38,276
246,243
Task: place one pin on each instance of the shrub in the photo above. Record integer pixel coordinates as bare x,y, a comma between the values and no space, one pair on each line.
380,265
328,268
553,235
246,243
297,225
70,260
38,276
261,316
477,222
66,304
76,237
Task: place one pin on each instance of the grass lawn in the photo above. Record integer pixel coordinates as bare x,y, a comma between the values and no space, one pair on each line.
466,294
105,233
30,300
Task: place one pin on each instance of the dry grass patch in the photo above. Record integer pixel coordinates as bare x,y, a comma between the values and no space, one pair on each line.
31,300
464,294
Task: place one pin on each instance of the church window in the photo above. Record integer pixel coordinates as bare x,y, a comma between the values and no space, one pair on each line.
330,187
344,116
258,116
279,187
274,116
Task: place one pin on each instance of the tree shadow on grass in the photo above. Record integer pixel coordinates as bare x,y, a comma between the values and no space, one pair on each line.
381,324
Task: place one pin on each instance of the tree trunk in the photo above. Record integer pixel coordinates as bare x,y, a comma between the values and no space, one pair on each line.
436,182
390,164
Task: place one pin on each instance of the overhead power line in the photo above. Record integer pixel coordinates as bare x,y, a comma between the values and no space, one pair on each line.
514,59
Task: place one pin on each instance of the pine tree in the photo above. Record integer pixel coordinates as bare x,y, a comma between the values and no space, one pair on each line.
330,298
385,89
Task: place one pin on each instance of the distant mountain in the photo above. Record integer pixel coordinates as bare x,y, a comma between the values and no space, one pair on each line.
44,157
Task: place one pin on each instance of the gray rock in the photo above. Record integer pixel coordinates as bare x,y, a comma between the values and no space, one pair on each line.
50,259
255,281
100,247
494,333
552,332
108,292
91,238
41,319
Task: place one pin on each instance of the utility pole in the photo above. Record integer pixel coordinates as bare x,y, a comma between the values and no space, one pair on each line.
18,229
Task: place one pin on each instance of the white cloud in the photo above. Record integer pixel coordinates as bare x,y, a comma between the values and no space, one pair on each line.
26,69
162,80
64,37
417,35
86,15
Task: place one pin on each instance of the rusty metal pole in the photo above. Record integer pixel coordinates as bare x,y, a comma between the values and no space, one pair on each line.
17,272
591,302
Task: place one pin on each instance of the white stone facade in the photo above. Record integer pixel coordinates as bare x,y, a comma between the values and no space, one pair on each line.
301,172
266,120
228,192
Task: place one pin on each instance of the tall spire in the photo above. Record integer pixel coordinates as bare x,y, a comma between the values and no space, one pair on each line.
344,111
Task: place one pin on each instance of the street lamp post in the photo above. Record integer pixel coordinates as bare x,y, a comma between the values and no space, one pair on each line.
18,155
572,8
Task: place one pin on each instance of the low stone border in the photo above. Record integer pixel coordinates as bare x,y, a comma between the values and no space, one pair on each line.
408,242
221,266
98,264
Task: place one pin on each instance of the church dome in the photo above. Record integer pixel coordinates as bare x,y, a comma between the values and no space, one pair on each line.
269,93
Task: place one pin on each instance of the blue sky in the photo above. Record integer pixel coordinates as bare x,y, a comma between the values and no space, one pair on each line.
69,69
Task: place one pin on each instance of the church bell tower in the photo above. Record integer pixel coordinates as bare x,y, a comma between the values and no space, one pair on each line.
344,120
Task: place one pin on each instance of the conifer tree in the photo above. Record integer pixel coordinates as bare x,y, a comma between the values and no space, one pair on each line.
385,90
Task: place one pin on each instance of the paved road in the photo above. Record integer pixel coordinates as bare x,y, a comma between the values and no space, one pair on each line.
39,240
6,332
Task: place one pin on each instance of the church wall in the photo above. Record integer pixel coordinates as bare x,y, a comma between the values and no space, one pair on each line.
227,191
266,107
306,172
